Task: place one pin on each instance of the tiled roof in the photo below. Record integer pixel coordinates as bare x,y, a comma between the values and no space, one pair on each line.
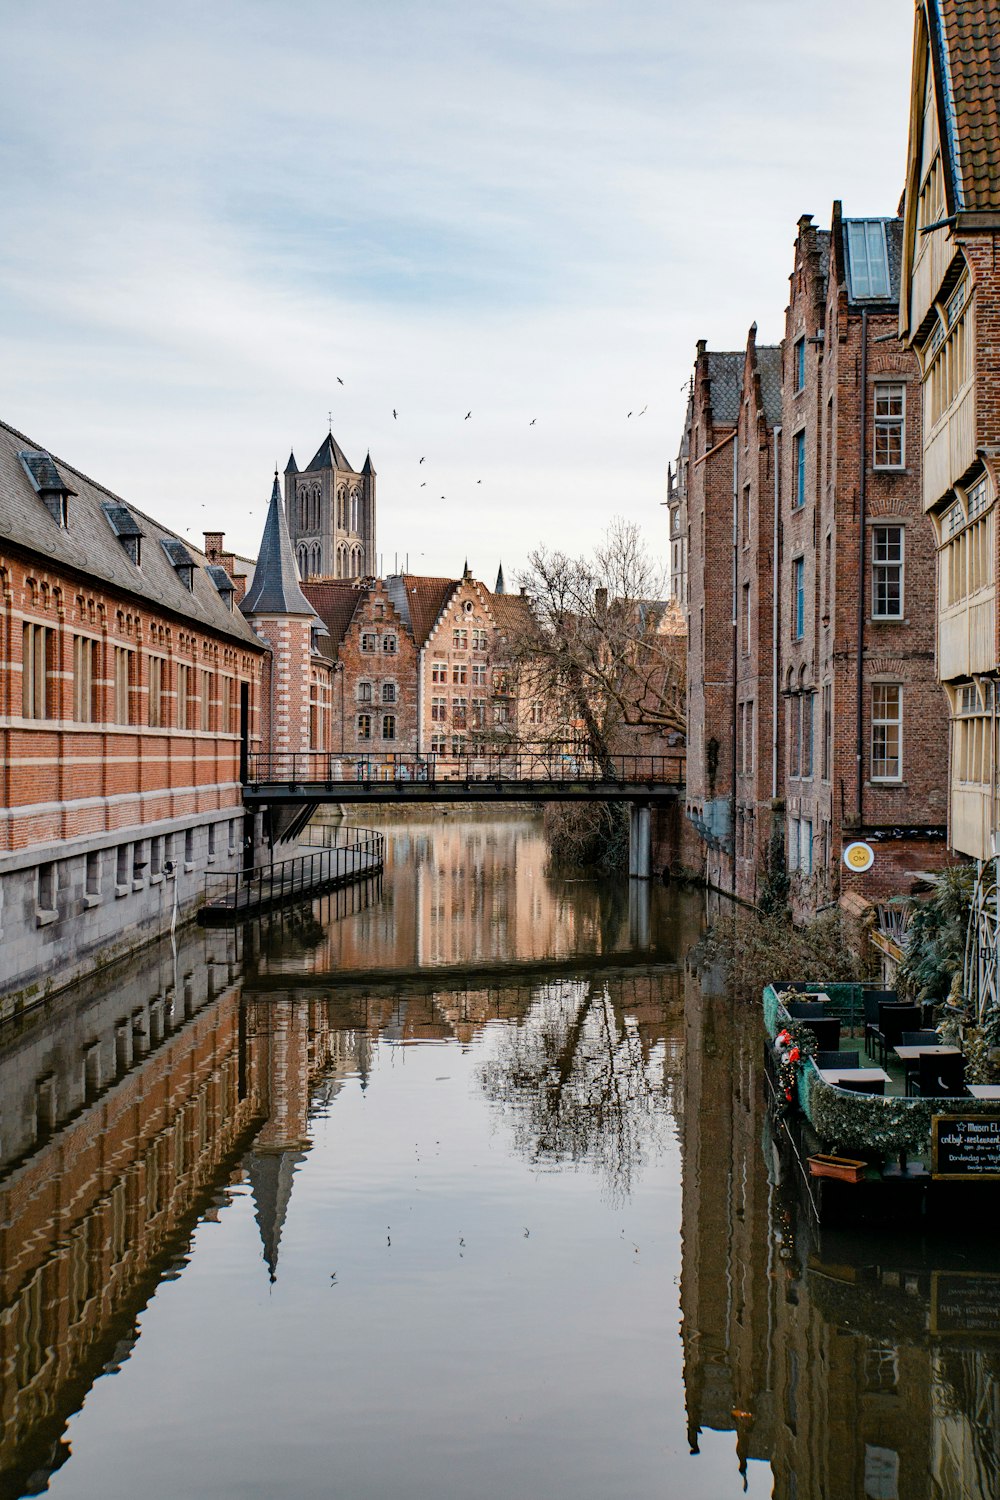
769,369
275,589
90,547
419,601
334,600
725,371
512,612
966,44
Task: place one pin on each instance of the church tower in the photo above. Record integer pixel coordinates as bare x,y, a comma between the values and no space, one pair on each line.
330,509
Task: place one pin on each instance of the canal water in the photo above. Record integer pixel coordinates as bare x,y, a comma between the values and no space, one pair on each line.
458,1184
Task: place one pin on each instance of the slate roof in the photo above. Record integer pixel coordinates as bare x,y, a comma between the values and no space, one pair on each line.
965,43
725,371
769,369
335,601
419,601
89,546
275,589
329,455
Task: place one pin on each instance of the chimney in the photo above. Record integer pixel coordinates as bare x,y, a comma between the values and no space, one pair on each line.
601,601
213,544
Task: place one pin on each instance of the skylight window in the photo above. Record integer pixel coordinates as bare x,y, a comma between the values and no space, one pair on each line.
868,259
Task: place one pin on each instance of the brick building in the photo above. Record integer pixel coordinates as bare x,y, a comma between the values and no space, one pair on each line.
811,658
949,316
130,692
864,738
713,412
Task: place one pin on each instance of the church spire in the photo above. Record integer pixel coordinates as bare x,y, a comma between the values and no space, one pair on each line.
501,587
275,588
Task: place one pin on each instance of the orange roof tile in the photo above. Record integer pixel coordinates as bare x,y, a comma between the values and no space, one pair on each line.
335,601
969,79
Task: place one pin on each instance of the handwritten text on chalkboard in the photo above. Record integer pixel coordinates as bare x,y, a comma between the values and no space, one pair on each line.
966,1146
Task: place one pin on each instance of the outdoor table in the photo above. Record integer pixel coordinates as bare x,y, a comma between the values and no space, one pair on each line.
910,1054
855,1075
983,1090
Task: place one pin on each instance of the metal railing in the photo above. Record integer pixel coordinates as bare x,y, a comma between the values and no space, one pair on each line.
535,764
245,891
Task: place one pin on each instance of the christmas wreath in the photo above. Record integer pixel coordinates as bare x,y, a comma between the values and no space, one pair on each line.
792,1045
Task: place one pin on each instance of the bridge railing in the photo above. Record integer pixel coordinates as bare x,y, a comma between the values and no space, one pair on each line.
269,884
526,763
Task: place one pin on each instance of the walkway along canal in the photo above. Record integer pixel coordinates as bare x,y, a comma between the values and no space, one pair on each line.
291,1208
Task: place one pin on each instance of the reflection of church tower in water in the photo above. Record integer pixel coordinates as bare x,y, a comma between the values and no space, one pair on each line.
280,1051
330,509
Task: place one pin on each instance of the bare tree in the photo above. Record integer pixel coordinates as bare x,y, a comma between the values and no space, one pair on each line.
599,646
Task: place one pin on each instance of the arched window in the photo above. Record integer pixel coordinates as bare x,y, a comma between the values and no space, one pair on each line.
341,509
300,559
355,512
356,563
314,563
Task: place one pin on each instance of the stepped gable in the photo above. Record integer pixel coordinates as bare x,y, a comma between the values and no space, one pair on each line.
276,589
89,545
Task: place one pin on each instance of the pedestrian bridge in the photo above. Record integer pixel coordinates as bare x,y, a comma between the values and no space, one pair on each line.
508,774
524,774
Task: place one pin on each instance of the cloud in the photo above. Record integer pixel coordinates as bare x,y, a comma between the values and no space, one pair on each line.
532,210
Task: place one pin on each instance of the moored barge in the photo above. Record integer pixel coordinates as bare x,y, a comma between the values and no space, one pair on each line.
877,1109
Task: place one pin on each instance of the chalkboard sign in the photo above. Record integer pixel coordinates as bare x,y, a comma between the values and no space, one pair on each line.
965,1303
966,1145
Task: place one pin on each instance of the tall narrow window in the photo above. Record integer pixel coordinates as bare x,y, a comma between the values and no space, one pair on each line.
798,598
806,710
84,674
887,572
181,681
388,726
799,476
827,752
38,695
154,691
799,351
205,702
890,425
887,727
364,726
746,619
123,684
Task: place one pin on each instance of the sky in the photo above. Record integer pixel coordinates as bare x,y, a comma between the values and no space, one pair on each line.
225,221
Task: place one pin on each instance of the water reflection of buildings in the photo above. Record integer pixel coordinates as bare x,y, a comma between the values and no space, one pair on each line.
466,892
854,1367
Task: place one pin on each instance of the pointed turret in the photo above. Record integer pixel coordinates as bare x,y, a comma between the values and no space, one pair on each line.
270,1174
501,587
466,571
367,467
291,467
275,589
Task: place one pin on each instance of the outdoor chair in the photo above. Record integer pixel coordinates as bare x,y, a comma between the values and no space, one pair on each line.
838,1059
863,1085
801,1010
926,1038
826,1030
940,1077
893,1020
871,1000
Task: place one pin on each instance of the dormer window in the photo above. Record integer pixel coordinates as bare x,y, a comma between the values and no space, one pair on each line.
223,583
867,259
47,483
181,561
126,529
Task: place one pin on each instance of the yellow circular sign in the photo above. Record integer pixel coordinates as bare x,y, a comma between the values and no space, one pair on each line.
859,857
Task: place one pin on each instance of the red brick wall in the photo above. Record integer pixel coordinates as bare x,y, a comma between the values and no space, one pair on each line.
61,778
376,619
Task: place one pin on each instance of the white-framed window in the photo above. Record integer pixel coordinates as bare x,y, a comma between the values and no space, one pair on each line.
438,744
439,710
887,572
890,425
439,671
946,355
887,731
805,860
